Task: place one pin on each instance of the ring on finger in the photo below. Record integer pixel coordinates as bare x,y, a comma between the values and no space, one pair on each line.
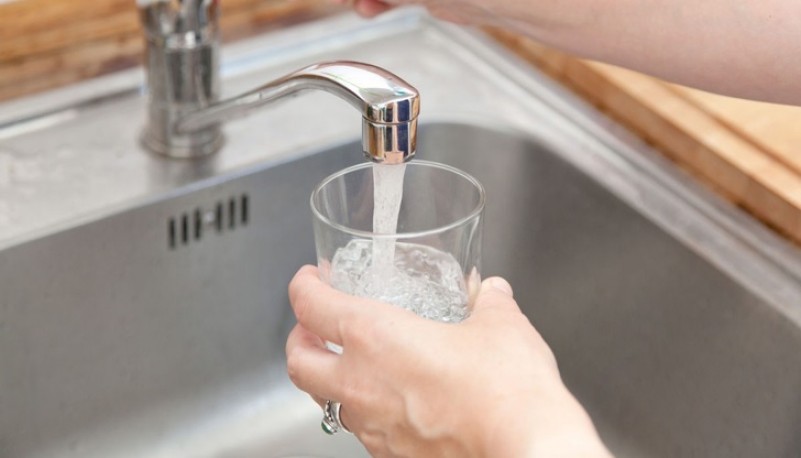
332,421
337,408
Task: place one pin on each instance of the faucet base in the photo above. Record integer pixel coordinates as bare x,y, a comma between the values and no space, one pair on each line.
185,146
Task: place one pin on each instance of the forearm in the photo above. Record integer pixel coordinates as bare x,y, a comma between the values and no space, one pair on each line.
574,437
551,424
746,48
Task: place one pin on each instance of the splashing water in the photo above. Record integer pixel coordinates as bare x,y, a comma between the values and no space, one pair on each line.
418,278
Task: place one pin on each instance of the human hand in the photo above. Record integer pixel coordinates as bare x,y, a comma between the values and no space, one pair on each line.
460,12
367,8
410,387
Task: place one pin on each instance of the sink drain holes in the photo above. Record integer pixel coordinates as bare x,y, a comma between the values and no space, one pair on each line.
221,215
244,207
184,229
218,213
198,223
232,213
171,233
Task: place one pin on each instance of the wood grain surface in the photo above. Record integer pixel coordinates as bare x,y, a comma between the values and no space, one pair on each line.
50,43
773,128
746,151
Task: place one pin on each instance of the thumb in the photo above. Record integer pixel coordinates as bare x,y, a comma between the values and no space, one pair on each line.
498,284
494,292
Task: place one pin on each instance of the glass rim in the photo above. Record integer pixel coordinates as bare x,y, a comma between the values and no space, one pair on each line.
472,214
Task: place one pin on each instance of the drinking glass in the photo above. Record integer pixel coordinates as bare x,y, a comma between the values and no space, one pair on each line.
430,265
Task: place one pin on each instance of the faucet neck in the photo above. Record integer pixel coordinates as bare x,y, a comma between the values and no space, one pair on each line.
389,105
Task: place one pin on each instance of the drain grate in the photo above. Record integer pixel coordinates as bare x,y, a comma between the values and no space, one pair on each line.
222,216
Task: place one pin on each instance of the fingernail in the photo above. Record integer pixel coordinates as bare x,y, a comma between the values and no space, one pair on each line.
500,284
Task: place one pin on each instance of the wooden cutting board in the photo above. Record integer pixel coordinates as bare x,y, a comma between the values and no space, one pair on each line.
742,149
775,129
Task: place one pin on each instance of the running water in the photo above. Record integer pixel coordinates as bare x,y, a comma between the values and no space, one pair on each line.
419,278
387,197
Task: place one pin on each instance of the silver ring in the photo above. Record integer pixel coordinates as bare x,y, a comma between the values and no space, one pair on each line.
337,407
332,422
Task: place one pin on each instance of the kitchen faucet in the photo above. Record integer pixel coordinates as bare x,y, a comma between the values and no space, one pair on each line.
184,113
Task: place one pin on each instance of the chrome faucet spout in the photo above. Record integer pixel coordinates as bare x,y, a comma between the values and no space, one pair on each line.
183,81
389,105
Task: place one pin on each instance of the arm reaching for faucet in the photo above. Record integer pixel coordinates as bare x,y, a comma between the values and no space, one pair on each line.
410,387
742,48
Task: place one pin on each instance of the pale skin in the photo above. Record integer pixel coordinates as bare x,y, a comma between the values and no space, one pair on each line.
410,387
743,48
490,386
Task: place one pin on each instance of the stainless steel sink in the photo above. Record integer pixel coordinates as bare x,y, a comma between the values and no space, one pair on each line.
143,305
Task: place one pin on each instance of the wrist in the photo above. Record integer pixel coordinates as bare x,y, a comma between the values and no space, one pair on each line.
568,444
551,424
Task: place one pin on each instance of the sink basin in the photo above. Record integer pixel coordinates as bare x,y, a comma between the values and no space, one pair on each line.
143,304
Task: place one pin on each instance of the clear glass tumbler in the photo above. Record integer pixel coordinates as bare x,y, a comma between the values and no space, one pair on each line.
429,262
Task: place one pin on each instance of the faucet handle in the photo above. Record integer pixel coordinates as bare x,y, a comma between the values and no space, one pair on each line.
192,20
